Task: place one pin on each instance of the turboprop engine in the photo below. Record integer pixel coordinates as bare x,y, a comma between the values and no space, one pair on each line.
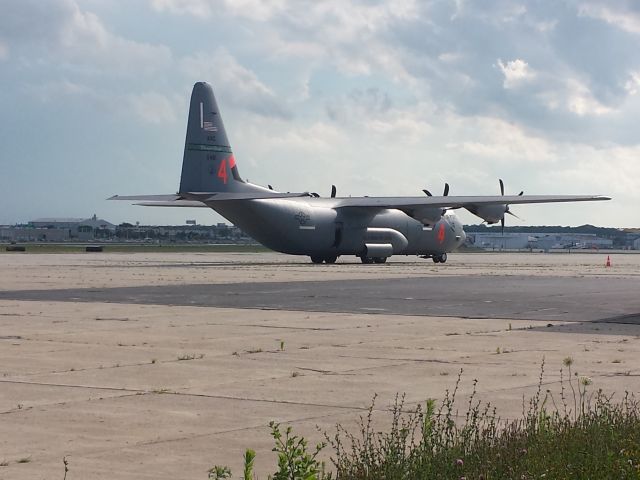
429,216
493,213
490,213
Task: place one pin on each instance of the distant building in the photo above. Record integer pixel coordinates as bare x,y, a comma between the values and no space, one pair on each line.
636,244
537,241
59,229
78,227
31,234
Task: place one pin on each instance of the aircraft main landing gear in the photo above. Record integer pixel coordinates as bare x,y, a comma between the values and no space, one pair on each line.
440,258
369,260
317,259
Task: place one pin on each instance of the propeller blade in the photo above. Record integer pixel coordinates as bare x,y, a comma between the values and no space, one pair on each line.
270,187
502,225
429,194
446,189
334,190
501,186
521,193
514,215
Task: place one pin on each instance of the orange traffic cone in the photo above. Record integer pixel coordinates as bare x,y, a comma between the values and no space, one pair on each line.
608,261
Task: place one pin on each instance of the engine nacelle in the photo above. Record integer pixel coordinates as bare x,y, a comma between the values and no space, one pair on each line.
489,213
428,215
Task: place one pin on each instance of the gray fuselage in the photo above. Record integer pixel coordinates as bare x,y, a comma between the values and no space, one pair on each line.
312,226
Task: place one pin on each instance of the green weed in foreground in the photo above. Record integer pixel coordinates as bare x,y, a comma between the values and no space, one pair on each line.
580,435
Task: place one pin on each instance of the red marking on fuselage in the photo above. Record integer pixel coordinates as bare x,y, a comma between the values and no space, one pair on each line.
441,234
232,161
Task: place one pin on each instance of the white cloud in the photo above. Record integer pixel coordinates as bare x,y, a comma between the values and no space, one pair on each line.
581,101
85,38
196,8
332,31
449,57
56,89
259,10
500,141
240,85
633,84
516,72
64,34
626,20
153,107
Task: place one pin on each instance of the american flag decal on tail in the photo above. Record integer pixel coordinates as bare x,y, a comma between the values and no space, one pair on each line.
209,127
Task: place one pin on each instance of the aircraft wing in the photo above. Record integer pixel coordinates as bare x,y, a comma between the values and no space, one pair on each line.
409,203
220,197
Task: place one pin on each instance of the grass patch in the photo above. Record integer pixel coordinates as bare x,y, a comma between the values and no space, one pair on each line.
580,434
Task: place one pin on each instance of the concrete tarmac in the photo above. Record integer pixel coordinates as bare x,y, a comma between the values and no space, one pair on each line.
160,366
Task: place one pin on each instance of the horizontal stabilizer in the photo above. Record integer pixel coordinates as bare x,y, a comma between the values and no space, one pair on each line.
201,199
175,203
151,198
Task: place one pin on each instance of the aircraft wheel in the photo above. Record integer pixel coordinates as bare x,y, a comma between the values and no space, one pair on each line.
366,260
440,258
315,259
379,259
331,259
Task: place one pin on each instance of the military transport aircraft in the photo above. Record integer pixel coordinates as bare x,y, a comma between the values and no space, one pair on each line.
372,228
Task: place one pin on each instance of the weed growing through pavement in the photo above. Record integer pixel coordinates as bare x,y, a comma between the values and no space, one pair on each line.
295,461
190,356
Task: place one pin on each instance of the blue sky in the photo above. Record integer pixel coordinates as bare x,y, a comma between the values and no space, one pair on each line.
379,98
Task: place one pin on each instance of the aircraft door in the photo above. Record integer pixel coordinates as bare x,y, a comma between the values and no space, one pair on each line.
339,227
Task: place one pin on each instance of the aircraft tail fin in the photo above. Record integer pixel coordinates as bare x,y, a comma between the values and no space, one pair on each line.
208,164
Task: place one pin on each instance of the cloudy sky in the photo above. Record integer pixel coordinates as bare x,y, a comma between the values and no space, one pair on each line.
379,98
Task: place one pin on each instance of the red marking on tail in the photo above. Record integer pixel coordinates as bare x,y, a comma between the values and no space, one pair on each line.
232,161
222,171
